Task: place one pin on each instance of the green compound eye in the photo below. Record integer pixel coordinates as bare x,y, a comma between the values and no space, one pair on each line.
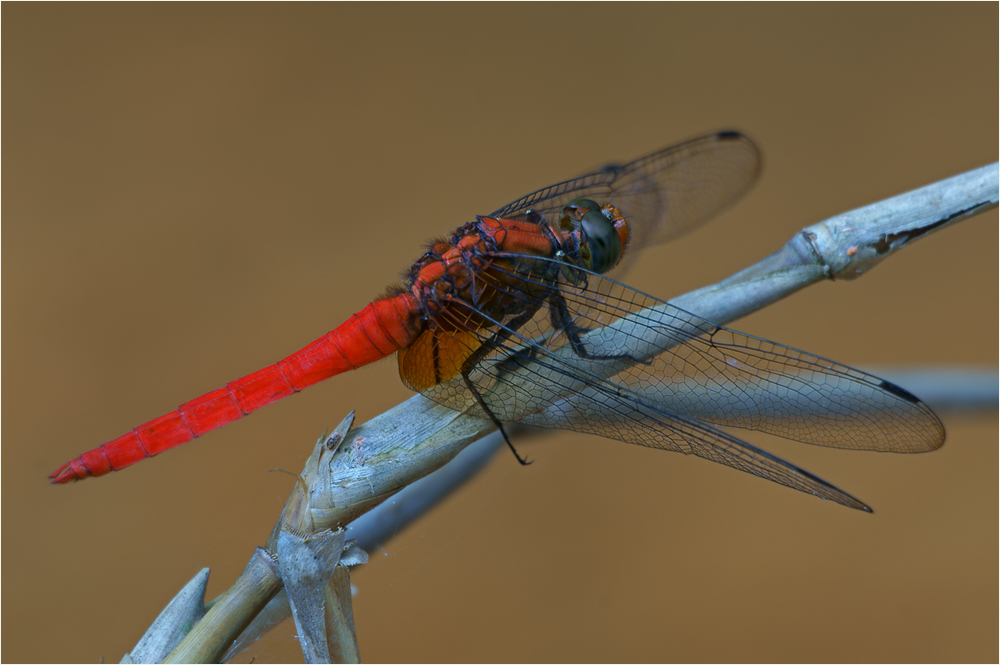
582,206
605,244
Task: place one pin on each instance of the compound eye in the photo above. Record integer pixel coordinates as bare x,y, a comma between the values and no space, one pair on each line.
579,207
602,237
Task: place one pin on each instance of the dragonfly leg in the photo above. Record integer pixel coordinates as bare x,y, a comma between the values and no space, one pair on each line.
561,320
496,341
489,412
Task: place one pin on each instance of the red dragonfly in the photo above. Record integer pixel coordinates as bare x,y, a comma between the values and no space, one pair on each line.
512,314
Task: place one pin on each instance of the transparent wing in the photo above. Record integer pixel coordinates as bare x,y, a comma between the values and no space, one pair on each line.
662,195
603,358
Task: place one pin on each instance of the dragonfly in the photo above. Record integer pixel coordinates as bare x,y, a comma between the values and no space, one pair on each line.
517,316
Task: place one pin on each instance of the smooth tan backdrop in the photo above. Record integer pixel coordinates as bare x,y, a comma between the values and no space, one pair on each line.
194,191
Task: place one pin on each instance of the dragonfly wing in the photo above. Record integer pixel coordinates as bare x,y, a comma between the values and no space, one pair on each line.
624,418
662,195
700,370
653,374
525,380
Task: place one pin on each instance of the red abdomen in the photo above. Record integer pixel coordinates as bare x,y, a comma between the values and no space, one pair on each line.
377,331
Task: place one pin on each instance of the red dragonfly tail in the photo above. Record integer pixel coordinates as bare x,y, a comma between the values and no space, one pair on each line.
377,331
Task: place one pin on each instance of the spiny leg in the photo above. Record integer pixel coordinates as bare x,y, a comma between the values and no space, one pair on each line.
562,320
486,408
496,341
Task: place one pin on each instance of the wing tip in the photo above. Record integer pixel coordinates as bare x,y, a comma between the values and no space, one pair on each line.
729,135
900,392
934,428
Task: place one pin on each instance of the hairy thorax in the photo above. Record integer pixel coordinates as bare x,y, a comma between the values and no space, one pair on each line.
476,267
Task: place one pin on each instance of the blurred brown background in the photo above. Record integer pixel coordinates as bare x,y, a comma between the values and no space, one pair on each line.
194,191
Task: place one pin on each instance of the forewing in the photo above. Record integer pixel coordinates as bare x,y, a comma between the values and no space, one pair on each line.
662,195
711,373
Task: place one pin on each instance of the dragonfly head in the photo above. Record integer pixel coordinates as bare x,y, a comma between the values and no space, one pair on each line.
603,233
